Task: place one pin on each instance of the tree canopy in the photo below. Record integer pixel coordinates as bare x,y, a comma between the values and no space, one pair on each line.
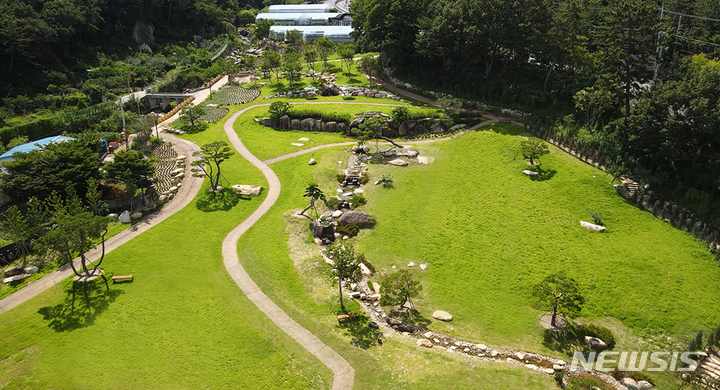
41,172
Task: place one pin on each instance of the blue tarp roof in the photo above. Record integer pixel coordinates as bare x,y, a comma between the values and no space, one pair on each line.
35,145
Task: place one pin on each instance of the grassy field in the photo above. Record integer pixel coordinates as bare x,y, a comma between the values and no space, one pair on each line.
283,260
182,323
266,142
114,228
488,233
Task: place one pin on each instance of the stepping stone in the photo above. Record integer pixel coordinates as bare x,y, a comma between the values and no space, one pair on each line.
304,139
530,173
296,144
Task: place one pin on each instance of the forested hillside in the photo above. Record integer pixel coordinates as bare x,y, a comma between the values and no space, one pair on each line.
56,42
633,78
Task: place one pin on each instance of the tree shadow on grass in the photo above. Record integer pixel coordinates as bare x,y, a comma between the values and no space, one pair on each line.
411,317
566,341
82,304
359,331
218,201
543,174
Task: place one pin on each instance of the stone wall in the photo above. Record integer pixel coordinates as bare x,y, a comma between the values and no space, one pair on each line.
307,124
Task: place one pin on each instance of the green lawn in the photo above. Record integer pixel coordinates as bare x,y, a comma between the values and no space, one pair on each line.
281,258
267,143
488,233
114,228
182,323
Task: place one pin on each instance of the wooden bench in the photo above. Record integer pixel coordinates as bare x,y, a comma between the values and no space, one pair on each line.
346,316
122,278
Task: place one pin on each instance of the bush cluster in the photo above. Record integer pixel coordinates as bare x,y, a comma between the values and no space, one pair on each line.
358,200
302,113
600,332
350,230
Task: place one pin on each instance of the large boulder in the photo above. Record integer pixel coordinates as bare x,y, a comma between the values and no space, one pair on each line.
420,129
248,190
644,385
403,129
14,271
442,315
267,122
124,217
405,152
437,128
355,123
398,162
341,128
308,124
389,132
284,122
359,218
424,343
592,226
295,124
595,343
629,383
136,215
330,127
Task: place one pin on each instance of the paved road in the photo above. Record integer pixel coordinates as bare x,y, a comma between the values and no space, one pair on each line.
186,193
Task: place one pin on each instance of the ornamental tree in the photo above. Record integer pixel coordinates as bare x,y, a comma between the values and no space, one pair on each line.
560,294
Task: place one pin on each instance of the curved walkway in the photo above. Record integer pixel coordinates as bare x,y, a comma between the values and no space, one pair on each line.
186,193
344,374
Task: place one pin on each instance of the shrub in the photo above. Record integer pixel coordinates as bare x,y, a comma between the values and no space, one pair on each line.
401,114
364,179
340,177
332,202
369,265
597,217
600,332
278,109
586,383
350,230
641,376
357,200
103,209
297,113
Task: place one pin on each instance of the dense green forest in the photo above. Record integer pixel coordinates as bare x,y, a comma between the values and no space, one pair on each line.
56,47
635,79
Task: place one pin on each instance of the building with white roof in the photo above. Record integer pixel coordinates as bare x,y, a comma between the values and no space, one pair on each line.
339,34
300,8
304,19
